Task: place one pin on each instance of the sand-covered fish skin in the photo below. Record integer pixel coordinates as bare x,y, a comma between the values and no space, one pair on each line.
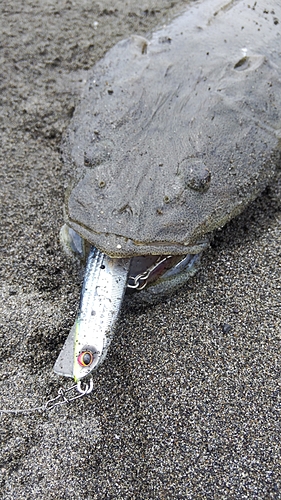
176,135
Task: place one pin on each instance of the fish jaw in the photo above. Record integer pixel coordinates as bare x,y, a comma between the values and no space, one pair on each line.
101,298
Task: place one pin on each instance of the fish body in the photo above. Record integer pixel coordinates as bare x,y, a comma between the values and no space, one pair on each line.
173,137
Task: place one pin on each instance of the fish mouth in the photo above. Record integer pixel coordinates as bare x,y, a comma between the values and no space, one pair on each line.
125,246
146,272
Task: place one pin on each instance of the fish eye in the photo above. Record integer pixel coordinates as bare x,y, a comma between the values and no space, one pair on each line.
85,358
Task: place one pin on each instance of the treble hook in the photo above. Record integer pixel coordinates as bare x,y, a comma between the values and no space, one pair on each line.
146,274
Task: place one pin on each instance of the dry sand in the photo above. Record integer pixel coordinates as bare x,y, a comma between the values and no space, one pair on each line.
184,407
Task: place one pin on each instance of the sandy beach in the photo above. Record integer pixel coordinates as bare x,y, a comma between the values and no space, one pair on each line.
187,404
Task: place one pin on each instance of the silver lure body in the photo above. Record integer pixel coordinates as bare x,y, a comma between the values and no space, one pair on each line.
102,294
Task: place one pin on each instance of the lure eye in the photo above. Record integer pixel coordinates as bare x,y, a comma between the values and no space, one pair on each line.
85,358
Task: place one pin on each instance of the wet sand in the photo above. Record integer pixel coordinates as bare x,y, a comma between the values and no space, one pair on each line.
187,404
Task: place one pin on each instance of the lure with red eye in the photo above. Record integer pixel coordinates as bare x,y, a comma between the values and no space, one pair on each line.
85,358
102,294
